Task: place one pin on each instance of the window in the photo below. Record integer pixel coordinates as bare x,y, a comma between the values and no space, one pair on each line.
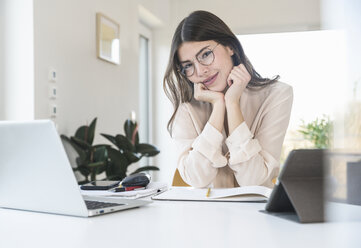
314,63
145,89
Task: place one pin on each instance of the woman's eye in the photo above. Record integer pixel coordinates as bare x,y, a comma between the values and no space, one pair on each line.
206,54
187,66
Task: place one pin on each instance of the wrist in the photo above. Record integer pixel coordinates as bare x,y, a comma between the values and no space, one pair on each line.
232,98
219,102
232,103
217,116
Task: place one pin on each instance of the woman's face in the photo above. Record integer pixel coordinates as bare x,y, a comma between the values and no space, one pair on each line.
196,54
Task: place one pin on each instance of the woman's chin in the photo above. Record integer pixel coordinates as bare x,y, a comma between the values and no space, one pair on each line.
218,88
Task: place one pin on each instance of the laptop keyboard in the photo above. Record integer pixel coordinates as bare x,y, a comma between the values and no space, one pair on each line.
96,204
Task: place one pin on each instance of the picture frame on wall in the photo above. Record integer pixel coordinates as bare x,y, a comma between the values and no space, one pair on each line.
108,39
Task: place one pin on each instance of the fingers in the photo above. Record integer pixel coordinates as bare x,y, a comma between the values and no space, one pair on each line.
241,71
243,68
202,93
204,87
239,75
199,88
229,80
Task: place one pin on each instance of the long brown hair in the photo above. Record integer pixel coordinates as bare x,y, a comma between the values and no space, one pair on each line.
202,26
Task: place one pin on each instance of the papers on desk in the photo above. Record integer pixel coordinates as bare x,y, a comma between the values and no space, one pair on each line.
151,189
239,194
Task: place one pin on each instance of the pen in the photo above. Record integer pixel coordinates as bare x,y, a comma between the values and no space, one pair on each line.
122,189
208,192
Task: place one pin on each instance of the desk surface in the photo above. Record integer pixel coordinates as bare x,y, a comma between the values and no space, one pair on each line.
181,224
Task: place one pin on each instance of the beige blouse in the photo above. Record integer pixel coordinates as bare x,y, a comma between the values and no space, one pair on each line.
254,146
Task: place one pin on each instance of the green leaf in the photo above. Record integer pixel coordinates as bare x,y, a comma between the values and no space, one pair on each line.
91,132
86,133
79,161
129,129
147,150
145,168
82,144
132,157
96,164
118,163
102,145
81,133
136,138
78,149
97,167
319,132
93,175
114,172
116,176
101,169
123,143
110,138
85,171
100,154
65,138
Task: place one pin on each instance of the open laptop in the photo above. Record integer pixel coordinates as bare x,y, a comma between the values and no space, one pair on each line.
35,174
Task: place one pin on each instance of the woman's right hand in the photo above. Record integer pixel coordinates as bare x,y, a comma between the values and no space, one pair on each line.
201,93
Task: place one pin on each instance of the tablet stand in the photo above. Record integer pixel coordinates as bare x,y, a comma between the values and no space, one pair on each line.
301,186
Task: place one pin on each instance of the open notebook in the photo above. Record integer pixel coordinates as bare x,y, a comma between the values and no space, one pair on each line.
239,194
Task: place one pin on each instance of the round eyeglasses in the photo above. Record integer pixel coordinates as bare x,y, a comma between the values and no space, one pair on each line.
204,57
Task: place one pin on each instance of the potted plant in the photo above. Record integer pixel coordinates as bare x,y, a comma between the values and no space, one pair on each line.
127,150
318,132
92,159
114,160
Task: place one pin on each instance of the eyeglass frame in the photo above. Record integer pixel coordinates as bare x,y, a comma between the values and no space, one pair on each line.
181,69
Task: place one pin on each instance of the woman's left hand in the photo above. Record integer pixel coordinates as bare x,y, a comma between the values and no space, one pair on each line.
237,82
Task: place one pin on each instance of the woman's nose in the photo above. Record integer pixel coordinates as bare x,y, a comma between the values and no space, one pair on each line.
200,69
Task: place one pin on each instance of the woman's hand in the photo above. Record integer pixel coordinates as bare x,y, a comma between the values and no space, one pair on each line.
201,93
237,82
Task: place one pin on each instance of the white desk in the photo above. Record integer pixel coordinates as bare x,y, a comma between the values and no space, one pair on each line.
180,224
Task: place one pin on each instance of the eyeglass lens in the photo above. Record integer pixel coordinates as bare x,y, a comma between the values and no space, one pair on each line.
206,57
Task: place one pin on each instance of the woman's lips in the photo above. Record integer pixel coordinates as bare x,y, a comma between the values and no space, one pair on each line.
210,80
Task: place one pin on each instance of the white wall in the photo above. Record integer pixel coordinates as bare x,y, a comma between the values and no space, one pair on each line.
16,60
154,13
88,87
243,17
257,16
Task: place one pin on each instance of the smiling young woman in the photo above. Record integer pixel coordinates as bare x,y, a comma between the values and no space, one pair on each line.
229,122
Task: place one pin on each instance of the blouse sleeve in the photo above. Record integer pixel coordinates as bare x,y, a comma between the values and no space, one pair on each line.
200,152
255,158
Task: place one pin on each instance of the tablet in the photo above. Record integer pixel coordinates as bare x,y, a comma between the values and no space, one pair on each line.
299,187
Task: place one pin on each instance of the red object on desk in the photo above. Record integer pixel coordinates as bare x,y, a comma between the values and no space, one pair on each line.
133,188
122,189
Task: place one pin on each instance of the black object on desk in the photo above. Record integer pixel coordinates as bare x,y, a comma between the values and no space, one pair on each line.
300,186
100,185
138,179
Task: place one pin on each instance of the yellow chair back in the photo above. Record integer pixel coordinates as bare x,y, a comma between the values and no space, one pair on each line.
178,181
